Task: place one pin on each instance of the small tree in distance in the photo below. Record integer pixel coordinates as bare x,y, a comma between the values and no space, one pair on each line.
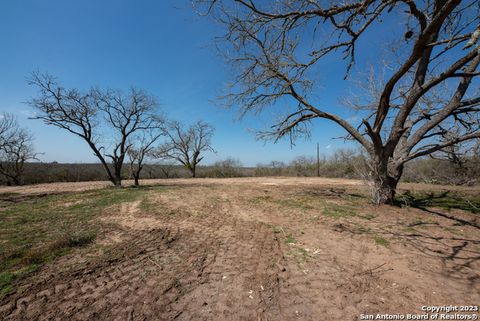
16,148
142,147
105,119
186,145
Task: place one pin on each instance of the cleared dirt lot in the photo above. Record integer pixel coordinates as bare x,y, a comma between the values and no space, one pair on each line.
249,249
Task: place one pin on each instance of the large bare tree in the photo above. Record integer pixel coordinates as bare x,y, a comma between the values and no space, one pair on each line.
104,119
16,148
426,99
186,146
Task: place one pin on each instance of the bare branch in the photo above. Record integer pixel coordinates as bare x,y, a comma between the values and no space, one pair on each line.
16,149
186,145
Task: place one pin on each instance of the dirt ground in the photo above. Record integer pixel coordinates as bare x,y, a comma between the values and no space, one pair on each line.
257,249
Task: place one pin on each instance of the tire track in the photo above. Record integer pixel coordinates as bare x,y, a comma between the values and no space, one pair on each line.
187,269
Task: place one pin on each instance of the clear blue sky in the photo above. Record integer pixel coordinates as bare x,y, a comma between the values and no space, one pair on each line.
160,46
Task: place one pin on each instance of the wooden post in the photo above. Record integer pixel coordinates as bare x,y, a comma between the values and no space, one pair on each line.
318,160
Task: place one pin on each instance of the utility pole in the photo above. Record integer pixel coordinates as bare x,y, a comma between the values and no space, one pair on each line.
318,160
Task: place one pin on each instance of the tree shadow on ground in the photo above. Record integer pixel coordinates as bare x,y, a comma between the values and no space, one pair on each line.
431,203
458,253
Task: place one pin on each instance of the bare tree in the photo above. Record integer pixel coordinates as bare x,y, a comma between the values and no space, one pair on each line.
8,128
16,148
425,103
168,169
104,119
142,147
187,145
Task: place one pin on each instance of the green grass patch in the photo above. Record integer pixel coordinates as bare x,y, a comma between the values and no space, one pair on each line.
6,280
360,229
290,239
380,240
302,251
304,203
302,255
36,230
275,229
338,211
368,216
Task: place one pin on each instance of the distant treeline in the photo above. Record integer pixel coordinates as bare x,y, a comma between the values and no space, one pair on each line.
343,164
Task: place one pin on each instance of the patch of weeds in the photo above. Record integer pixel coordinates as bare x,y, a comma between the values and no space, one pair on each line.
303,203
380,240
106,250
108,197
368,216
77,239
297,253
301,255
360,229
8,278
290,239
260,199
177,283
275,229
338,211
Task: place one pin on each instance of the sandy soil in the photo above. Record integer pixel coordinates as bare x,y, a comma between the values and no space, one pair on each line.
255,249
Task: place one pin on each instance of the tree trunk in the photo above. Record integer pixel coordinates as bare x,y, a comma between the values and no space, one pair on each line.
384,190
135,179
17,181
117,181
193,170
385,179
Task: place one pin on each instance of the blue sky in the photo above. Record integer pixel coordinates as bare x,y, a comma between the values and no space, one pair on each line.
160,46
